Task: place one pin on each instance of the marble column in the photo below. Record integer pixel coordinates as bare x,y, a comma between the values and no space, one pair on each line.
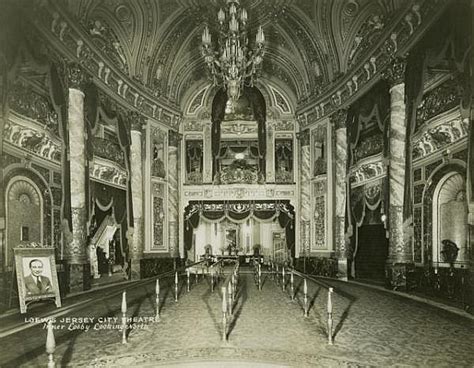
79,267
207,154
305,193
399,253
136,178
173,192
338,121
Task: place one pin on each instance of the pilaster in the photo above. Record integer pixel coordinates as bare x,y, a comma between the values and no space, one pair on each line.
338,121
305,192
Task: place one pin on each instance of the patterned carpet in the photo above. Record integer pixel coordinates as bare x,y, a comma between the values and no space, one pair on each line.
371,328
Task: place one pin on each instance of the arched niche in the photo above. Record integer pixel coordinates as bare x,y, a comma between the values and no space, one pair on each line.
450,212
24,209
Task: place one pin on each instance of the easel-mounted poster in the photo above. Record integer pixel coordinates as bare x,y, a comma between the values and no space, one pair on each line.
36,274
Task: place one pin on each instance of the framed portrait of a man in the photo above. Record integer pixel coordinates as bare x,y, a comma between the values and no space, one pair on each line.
36,274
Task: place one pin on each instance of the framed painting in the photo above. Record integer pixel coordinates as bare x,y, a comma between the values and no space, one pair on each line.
36,274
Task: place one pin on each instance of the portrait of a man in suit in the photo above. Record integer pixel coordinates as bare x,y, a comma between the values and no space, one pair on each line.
36,282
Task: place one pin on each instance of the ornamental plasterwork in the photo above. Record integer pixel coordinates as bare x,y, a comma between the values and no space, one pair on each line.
240,128
26,101
193,125
280,101
70,40
284,125
435,138
252,191
28,136
367,170
417,18
198,101
108,172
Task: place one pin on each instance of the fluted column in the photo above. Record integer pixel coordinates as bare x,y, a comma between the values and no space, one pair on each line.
399,254
79,268
207,154
338,120
173,192
136,177
305,192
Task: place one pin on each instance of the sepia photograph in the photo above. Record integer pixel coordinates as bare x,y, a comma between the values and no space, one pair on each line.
237,183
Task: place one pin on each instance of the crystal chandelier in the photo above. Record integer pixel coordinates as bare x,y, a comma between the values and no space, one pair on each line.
233,65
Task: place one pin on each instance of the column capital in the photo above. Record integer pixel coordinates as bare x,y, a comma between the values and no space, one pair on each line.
137,121
174,138
338,118
303,137
395,72
76,76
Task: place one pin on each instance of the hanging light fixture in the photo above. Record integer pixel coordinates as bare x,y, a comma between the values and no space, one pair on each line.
232,65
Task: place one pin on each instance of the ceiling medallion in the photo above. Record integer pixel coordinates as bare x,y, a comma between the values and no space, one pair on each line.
231,64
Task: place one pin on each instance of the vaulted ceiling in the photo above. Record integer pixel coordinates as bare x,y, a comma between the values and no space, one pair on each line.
310,43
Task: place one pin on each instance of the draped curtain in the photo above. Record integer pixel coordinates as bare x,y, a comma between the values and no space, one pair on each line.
239,212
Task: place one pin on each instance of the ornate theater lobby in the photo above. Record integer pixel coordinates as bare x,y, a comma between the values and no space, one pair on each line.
236,183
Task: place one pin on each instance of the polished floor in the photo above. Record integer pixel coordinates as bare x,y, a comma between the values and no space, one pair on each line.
371,328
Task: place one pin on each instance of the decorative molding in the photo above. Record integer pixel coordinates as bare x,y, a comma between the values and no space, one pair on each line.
367,170
108,172
108,150
75,44
411,24
338,118
26,135
439,134
239,191
77,76
284,125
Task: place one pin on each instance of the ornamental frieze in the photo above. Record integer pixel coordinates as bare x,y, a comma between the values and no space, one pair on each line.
53,24
32,139
368,146
253,191
416,18
367,170
108,172
437,138
284,126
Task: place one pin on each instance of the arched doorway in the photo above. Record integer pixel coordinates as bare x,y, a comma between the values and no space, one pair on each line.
24,206
450,213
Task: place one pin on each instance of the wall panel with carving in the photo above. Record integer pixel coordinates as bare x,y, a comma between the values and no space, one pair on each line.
319,148
284,165
194,160
319,241
159,152
159,220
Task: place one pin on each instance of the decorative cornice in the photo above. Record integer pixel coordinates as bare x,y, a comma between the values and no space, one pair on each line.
73,43
405,32
137,121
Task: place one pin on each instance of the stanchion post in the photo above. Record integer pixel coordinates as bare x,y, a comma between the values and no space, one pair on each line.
283,278
50,344
292,285
330,291
157,291
188,286
212,279
124,317
277,275
176,286
224,314
231,299
305,291
259,276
